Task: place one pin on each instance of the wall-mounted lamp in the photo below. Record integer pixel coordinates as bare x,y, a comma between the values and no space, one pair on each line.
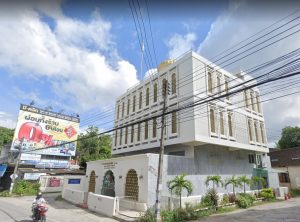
141,177
120,177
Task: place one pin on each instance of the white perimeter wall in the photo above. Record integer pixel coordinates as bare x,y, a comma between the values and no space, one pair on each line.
102,204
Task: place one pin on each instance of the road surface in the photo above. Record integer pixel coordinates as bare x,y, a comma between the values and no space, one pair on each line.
18,209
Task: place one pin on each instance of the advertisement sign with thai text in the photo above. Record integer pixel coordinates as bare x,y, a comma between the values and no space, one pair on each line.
41,131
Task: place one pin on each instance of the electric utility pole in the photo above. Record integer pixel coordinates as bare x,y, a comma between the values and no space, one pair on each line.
14,176
161,155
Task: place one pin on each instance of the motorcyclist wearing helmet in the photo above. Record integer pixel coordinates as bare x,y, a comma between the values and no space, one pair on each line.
37,201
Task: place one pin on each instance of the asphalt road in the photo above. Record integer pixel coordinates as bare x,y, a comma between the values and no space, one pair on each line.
18,209
283,211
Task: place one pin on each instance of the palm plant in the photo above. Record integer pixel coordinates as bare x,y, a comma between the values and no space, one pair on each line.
178,184
245,181
216,181
257,181
234,181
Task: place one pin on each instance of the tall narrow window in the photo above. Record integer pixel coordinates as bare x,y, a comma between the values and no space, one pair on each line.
133,103
230,129
246,99
227,88
140,100
123,109
256,132
154,128
132,134
155,93
174,122
147,97
126,135
262,133
222,124
252,101
146,130
209,82
139,133
116,138
128,105
212,121
173,83
118,111
250,130
219,85
120,137
258,103
164,87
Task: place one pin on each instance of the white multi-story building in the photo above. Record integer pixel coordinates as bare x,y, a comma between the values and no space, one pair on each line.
225,136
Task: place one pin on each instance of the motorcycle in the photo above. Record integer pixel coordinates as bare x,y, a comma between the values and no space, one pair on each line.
39,213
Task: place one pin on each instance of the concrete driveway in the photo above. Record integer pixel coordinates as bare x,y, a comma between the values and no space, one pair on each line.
283,211
18,209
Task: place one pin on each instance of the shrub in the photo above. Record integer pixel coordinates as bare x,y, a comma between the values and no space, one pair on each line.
148,216
231,198
5,194
244,200
295,192
24,187
210,199
267,193
225,199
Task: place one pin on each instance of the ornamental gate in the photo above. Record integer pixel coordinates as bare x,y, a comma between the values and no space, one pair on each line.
131,186
108,184
92,182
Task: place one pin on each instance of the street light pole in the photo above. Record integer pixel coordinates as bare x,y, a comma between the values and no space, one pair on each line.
161,156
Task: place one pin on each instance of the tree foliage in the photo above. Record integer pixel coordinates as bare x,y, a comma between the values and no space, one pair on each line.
245,181
216,181
234,181
290,138
92,146
178,184
6,136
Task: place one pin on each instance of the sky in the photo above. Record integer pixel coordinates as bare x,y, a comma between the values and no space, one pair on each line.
78,57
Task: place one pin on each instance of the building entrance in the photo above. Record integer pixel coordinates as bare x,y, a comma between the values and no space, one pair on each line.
108,184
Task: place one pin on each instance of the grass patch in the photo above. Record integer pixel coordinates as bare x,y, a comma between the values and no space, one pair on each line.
5,194
295,192
226,210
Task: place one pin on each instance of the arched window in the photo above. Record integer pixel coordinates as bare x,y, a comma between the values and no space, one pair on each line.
256,133
230,129
133,103
132,185
120,137
132,134
108,184
174,122
173,83
155,93
212,121
164,87
258,103
222,131
262,133
154,128
123,109
146,130
116,138
250,130
147,97
128,105
209,82
252,101
140,100
92,182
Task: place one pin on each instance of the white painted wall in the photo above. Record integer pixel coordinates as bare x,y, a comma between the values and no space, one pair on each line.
74,196
102,204
74,186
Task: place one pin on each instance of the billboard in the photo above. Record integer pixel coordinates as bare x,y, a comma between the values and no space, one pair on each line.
37,128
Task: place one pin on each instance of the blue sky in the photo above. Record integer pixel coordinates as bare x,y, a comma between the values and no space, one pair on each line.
73,55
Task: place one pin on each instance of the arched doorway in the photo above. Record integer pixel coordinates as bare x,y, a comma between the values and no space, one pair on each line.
108,184
92,182
132,186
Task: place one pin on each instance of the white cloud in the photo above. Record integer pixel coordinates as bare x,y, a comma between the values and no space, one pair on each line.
179,44
241,20
6,120
78,58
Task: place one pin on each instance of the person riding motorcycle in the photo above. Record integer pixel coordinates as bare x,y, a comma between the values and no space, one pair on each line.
36,202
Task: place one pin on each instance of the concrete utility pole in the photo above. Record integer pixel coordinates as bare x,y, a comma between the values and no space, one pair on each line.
13,179
161,156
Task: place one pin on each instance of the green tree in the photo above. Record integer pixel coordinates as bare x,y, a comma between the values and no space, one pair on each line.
92,146
234,181
258,181
216,181
6,136
244,181
290,138
178,184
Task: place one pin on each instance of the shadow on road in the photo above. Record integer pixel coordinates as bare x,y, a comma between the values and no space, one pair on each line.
59,204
